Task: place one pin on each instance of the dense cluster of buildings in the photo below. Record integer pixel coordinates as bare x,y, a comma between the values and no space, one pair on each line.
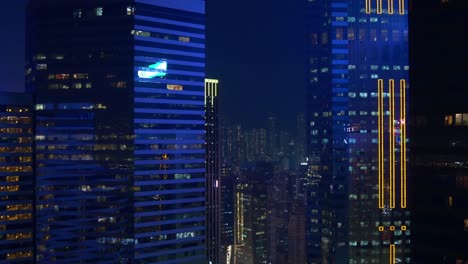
117,153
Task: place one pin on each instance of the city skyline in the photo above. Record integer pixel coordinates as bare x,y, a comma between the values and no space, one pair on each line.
293,132
246,72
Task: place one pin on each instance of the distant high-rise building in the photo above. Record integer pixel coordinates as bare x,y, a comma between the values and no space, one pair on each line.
357,94
16,179
228,179
251,209
213,172
296,232
300,140
272,137
120,130
439,131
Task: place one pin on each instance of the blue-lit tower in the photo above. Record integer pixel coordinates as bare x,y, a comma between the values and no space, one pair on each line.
16,178
120,130
357,94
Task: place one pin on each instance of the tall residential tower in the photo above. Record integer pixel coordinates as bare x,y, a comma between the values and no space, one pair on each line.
213,172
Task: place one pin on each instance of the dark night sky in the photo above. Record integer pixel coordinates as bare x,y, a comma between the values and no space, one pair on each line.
255,48
12,25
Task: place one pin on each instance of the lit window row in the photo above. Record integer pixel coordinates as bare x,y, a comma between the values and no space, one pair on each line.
18,207
55,86
25,254
16,109
15,217
15,169
17,236
66,76
460,119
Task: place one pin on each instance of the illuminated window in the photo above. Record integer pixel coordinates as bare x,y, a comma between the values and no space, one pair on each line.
130,10
98,11
121,84
175,87
80,76
351,34
78,13
77,85
41,66
141,33
62,76
89,85
41,57
184,39
458,119
339,33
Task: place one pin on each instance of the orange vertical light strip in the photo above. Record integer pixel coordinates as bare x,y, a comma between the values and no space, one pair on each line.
379,6
403,143
379,141
382,133
368,6
392,142
390,7
392,254
401,7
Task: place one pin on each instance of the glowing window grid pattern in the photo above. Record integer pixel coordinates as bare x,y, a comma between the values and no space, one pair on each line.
357,19
16,178
169,125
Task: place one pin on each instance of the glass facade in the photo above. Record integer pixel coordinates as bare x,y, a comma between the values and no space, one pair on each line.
356,123
16,179
169,129
120,125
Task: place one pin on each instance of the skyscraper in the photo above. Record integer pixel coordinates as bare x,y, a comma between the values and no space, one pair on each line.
251,214
213,172
227,201
120,153
439,131
356,121
16,179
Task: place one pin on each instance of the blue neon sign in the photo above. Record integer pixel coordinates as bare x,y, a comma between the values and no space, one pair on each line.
158,69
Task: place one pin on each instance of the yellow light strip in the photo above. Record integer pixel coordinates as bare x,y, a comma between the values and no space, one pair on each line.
403,142
392,142
401,7
392,254
390,7
368,6
381,144
379,6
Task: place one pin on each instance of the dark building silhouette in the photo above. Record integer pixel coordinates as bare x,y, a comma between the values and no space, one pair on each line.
228,179
213,172
16,178
297,233
120,130
251,210
357,90
439,131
